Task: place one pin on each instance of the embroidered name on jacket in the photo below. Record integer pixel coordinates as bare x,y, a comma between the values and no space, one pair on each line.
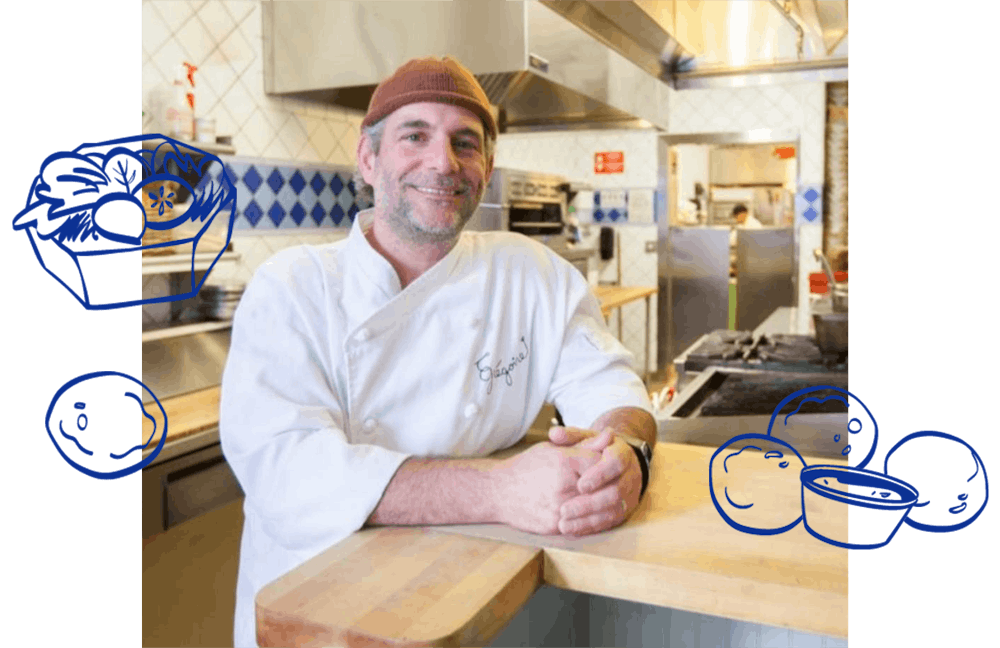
489,371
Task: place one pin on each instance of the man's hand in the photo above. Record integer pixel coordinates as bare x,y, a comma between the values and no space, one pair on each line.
533,486
603,486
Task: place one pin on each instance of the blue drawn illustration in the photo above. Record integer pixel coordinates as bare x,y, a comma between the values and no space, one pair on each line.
92,422
762,486
949,476
753,478
93,212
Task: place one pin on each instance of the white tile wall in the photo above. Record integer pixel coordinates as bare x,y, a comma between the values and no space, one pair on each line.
223,39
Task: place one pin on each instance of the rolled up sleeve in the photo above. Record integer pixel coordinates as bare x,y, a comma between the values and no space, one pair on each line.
283,426
595,371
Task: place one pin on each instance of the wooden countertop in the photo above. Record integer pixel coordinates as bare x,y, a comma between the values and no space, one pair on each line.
187,414
396,586
612,297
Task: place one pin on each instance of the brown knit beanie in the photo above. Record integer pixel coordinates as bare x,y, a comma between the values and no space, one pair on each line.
431,79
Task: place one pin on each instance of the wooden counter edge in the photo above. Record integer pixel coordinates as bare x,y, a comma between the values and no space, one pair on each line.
501,601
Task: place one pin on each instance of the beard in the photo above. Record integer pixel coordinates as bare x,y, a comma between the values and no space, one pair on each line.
403,215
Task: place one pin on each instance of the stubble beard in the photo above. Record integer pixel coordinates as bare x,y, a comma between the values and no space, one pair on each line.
404,223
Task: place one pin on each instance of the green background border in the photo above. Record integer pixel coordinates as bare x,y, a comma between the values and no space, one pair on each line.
72,546
925,236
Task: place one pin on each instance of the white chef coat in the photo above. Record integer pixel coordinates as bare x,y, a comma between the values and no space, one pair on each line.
335,376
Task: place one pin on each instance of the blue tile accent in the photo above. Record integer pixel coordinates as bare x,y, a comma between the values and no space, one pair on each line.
318,214
275,181
598,215
297,182
337,214
253,212
317,183
809,203
597,199
810,214
811,195
252,179
291,196
614,215
276,213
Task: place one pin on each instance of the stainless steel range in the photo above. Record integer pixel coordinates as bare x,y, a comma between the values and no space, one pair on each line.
531,203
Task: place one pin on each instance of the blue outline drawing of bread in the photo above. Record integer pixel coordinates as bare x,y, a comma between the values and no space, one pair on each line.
93,212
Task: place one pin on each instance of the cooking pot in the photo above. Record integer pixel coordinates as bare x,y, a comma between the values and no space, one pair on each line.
831,331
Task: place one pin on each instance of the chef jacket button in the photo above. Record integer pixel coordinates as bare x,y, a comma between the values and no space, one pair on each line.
370,425
363,335
471,410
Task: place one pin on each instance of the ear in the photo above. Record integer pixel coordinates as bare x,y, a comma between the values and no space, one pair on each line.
366,159
489,165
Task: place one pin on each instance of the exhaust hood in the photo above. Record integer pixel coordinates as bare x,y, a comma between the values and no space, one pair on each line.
538,67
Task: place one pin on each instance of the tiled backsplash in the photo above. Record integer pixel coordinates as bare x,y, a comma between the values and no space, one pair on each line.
292,196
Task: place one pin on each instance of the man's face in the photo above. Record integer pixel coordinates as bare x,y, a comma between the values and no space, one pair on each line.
430,171
741,217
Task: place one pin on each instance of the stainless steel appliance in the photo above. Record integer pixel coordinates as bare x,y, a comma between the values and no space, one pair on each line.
530,203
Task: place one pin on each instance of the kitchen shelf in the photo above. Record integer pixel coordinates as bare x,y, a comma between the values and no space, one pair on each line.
189,147
185,329
176,263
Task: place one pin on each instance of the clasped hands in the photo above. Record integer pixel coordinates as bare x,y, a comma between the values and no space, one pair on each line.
577,483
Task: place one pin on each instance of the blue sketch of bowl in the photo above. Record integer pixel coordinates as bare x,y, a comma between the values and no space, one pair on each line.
101,265
877,504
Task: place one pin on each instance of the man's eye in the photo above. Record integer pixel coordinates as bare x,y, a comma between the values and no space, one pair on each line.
414,137
466,145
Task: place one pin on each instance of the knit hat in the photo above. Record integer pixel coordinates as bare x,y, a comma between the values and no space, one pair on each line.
431,79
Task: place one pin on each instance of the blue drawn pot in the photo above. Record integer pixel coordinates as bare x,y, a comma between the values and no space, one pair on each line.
877,504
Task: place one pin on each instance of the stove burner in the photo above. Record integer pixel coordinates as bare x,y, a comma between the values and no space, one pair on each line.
777,352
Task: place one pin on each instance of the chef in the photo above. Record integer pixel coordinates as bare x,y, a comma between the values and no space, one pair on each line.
368,380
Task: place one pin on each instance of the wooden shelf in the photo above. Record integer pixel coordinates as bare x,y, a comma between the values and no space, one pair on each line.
185,329
178,263
206,147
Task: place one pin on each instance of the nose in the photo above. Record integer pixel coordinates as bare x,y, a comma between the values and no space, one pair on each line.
441,156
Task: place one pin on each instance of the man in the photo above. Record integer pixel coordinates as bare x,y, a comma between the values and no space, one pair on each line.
368,380
744,218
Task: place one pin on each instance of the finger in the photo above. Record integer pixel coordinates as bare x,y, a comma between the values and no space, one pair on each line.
598,442
609,468
608,498
561,435
592,523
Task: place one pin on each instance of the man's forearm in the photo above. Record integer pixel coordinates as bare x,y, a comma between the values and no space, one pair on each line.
629,420
439,491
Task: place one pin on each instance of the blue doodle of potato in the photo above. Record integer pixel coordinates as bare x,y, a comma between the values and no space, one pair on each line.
100,425
949,476
754,483
857,439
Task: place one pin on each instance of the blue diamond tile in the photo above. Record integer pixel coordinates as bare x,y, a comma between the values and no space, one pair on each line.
318,214
231,173
337,214
597,199
350,187
352,212
613,215
317,183
811,195
276,213
598,215
336,184
252,179
253,213
810,214
298,213
297,182
274,181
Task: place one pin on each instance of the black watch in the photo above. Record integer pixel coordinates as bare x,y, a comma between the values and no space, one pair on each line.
645,455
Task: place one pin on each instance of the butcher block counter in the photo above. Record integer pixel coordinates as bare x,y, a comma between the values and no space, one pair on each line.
460,585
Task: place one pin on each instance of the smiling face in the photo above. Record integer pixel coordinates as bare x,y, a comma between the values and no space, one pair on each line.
95,423
429,173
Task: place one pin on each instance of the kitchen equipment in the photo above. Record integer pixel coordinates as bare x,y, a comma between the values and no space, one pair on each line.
837,291
219,301
831,332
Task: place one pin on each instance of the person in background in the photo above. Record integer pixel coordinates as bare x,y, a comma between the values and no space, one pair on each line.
745,219
368,380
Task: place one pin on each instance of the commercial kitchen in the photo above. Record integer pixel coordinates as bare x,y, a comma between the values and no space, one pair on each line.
629,134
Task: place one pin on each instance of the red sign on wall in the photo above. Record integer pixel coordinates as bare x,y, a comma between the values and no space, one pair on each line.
609,162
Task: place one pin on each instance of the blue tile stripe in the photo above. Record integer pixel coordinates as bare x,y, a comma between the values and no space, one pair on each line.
289,196
609,216
809,203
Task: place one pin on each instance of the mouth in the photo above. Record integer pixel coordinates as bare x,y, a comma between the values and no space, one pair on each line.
435,192
957,509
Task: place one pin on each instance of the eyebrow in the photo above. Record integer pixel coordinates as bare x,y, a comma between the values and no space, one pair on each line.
420,123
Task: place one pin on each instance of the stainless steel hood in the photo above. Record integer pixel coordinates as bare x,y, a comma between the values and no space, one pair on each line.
540,70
